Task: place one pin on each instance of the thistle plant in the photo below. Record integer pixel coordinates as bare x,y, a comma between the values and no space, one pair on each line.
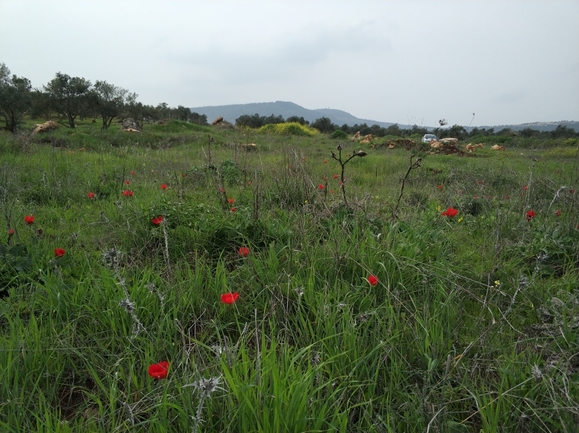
205,387
343,163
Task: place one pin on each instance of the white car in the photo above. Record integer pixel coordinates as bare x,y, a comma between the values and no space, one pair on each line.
428,138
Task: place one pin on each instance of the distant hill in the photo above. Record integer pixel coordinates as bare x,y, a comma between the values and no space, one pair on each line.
284,109
338,117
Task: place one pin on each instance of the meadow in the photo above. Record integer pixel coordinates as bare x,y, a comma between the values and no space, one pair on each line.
172,281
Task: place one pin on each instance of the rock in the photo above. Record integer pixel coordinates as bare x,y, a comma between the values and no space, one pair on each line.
217,121
131,125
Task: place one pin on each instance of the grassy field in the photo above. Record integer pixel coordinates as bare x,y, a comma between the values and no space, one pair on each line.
171,281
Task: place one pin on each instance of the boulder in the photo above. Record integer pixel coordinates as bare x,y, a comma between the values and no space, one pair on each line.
217,121
45,127
131,125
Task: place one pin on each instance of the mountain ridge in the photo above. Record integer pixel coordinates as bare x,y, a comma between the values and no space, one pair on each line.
339,117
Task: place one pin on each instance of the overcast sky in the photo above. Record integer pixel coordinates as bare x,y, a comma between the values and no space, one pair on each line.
409,62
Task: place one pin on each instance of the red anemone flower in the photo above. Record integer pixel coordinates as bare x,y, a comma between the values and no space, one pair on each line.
127,181
531,214
233,209
440,187
450,212
373,280
321,187
59,252
230,200
132,172
128,193
90,195
163,186
10,232
525,187
158,220
159,370
29,219
335,176
558,212
243,251
229,298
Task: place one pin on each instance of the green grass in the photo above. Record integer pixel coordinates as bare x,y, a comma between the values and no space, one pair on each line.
473,325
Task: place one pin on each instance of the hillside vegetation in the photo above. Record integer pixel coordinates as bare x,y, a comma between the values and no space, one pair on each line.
177,280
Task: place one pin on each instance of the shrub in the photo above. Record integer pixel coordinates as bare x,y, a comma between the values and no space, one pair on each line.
288,128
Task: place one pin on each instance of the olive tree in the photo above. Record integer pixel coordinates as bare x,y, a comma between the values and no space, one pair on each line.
70,96
15,98
109,101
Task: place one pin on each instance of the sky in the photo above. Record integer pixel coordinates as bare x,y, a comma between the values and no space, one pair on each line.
471,62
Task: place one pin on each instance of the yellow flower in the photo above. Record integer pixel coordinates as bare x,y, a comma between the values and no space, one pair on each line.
460,219
438,208
497,283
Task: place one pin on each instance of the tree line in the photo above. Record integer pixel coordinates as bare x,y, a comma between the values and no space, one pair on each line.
325,125
71,98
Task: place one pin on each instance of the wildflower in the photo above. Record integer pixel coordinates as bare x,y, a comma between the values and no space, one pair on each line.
460,219
163,186
531,214
132,172
10,232
128,193
525,187
243,251
127,181
90,195
439,186
221,189
373,280
233,209
497,283
507,197
325,161
159,370
450,212
321,187
335,176
29,219
59,252
558,212
229,298
183,174
158,220
479,181
230,200
571,191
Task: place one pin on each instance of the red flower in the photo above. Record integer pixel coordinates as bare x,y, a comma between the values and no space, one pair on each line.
183,174
335,176
157,221
558,212
506,197
571,191
321,187
325,161
221,189
29,219
243,251
229,298
531,214
10,232
440,187
159,370
132,172
128,193
163,186
233,209
59,252
525,187
450,212
373,280
127,181
479,181
90,195
230,200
